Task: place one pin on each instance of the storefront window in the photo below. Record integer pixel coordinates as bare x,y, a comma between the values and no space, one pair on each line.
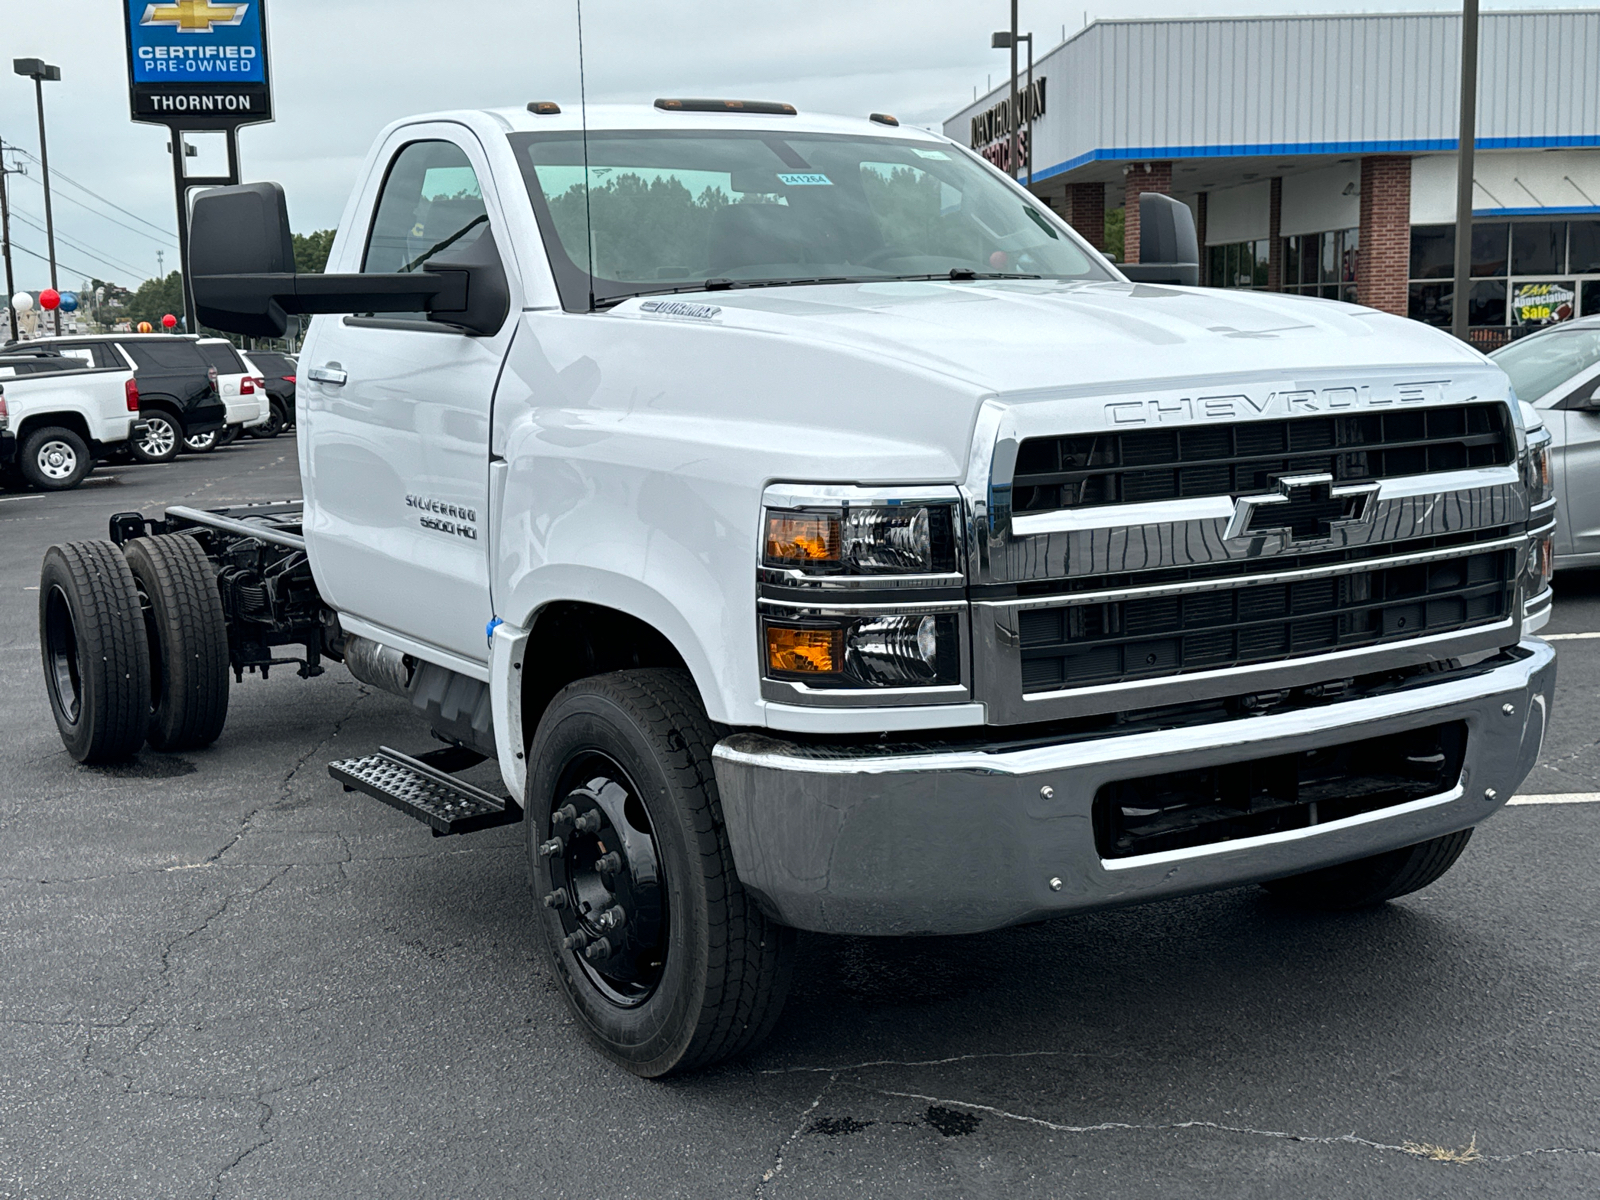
1321,264
1433,251
1237,264
1528,273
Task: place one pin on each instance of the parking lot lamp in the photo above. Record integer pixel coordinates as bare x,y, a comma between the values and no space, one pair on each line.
1000,41
40,71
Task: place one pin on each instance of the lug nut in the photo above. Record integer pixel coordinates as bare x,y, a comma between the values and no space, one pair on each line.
563,814
553,847
556,900
608,864
576,940
613,918
588,823
601,948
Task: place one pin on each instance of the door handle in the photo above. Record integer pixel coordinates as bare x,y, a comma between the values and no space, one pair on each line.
331,374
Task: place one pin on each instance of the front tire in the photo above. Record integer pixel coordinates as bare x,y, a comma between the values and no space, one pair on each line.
54,459
188,641
96,659
689,972
161,440
1374,880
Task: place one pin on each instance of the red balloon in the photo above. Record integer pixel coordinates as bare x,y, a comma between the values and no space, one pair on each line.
169,322
50,298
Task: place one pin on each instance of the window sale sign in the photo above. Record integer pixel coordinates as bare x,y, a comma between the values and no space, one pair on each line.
199,63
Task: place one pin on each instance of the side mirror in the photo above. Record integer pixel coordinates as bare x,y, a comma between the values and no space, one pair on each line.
241,267
1169,248
1583,398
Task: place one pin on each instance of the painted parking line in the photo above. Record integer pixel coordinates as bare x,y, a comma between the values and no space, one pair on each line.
1558,798
9,499
1569,637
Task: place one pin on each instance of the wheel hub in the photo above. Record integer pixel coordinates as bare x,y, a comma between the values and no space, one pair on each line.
608,887
57,460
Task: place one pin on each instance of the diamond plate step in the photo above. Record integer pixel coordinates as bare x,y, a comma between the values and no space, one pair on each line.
423,791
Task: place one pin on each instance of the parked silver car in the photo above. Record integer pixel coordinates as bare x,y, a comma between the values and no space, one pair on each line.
1557,370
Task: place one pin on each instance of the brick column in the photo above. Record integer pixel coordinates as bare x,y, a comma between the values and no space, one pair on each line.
1384,260
1086,212
1140,177
1275,238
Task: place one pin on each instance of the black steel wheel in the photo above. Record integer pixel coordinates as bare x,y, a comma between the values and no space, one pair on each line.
96,660
187,635
1373,880
162,437
54,459
663,959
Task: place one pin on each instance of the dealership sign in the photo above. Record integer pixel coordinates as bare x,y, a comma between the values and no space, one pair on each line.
995,124
198,64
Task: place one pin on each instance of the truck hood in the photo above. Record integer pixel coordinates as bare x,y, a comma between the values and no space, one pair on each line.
1013,336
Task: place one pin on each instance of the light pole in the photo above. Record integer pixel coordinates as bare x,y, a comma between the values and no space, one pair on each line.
40,71
1469,113
1005,39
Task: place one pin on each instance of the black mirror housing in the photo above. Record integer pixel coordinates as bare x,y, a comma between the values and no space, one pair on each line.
241,267
1169,246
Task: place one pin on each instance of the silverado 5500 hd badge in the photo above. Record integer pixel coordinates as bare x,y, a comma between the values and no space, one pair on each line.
453,519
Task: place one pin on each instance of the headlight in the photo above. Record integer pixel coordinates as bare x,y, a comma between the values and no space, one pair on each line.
862,539
1536,474
1541,566
873,650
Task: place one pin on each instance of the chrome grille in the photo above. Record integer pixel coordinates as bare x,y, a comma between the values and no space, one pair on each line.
1138,466
1136,638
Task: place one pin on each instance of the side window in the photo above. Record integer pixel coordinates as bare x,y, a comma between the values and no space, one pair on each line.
85,354
430,202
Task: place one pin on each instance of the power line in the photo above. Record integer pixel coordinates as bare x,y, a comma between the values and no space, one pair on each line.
16,245
93,212
99,197
99,256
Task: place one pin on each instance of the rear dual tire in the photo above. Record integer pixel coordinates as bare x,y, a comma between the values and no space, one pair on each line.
706,974
135,647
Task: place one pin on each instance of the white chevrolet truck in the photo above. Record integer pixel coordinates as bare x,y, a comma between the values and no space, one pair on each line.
59,414
820,535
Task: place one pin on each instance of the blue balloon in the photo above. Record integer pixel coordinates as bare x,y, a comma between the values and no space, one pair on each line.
69,302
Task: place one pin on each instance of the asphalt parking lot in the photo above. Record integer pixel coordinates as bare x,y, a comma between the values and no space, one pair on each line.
222,976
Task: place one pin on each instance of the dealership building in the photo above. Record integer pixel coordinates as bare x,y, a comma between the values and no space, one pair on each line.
1319,153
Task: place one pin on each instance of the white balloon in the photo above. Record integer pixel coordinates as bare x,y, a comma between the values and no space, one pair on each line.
22,302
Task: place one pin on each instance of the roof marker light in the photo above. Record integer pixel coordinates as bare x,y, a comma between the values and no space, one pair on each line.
883,119
765,107
544,108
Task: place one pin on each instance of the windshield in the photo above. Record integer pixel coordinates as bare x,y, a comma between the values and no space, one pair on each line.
671,211
1539,364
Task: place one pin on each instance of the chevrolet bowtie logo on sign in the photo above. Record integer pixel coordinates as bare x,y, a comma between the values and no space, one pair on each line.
194,16
1303,508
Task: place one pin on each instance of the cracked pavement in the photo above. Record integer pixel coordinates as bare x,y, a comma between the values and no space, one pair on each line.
221,976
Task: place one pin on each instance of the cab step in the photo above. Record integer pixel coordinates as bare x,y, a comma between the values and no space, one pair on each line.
425,790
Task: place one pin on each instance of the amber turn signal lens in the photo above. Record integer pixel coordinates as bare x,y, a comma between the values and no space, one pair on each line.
807,651
802,537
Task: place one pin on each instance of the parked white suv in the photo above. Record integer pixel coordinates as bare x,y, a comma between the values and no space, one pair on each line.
243,392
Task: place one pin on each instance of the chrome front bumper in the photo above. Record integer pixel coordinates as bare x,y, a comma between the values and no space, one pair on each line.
843,839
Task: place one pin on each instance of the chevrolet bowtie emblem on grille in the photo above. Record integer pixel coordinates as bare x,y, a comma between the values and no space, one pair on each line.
194,16
1304,508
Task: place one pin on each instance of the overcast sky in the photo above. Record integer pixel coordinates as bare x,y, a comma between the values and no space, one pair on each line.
345,68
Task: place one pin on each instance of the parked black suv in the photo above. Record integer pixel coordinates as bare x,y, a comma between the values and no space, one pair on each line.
178,395
279,370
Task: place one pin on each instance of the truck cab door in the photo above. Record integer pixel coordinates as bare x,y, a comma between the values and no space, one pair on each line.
396,412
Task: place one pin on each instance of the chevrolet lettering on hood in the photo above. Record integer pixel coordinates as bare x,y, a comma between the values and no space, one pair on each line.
1234,406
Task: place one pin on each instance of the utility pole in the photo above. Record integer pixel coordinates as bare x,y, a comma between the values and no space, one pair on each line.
1011,111
40,71
1469,115
5,237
